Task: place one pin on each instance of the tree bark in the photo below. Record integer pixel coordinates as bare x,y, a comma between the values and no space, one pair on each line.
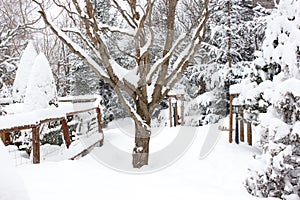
140,152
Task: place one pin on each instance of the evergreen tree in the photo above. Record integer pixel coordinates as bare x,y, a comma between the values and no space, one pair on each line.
41,89
278,174
23,73
227,54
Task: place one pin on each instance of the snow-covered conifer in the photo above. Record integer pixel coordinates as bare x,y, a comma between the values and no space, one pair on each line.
278,172
23,73
41,85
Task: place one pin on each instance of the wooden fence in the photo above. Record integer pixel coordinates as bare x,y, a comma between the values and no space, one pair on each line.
35,127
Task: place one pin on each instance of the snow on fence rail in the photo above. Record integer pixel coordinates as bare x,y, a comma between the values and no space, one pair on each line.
66,106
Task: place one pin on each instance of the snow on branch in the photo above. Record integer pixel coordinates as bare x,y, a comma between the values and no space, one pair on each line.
183,59
73,46
77,32
162,60
115,29
185,54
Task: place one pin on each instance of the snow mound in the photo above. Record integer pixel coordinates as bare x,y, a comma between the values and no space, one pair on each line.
11,185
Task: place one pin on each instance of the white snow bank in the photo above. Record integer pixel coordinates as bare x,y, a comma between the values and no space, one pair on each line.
55,153
11,185
219,176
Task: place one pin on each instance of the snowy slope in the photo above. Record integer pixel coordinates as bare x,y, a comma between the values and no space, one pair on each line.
218,176
11,185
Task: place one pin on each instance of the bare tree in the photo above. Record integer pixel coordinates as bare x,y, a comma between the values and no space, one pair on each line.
152,74
14,23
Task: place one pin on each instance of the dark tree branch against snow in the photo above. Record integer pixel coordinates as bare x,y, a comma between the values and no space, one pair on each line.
157,57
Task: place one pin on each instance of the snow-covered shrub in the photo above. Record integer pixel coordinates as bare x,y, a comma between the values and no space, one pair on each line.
203,110
23,73
278,173
40,93
41,89
212,70
160,119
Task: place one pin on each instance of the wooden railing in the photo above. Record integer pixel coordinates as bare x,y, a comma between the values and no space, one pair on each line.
35,127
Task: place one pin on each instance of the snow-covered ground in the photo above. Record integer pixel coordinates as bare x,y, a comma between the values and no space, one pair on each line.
220,175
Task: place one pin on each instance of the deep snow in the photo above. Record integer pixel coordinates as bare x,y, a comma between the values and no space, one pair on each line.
220,175
11,185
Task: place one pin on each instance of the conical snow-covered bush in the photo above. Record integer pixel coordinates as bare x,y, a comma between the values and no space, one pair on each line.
23,73
41,86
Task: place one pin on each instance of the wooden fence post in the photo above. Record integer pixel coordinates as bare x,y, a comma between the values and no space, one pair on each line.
249,133
236,128
242,135
2,136
175,115
170,111
66,132
230,117
36,144
182,109
5,138
100,126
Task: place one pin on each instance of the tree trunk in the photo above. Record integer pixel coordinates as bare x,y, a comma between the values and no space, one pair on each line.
140,152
